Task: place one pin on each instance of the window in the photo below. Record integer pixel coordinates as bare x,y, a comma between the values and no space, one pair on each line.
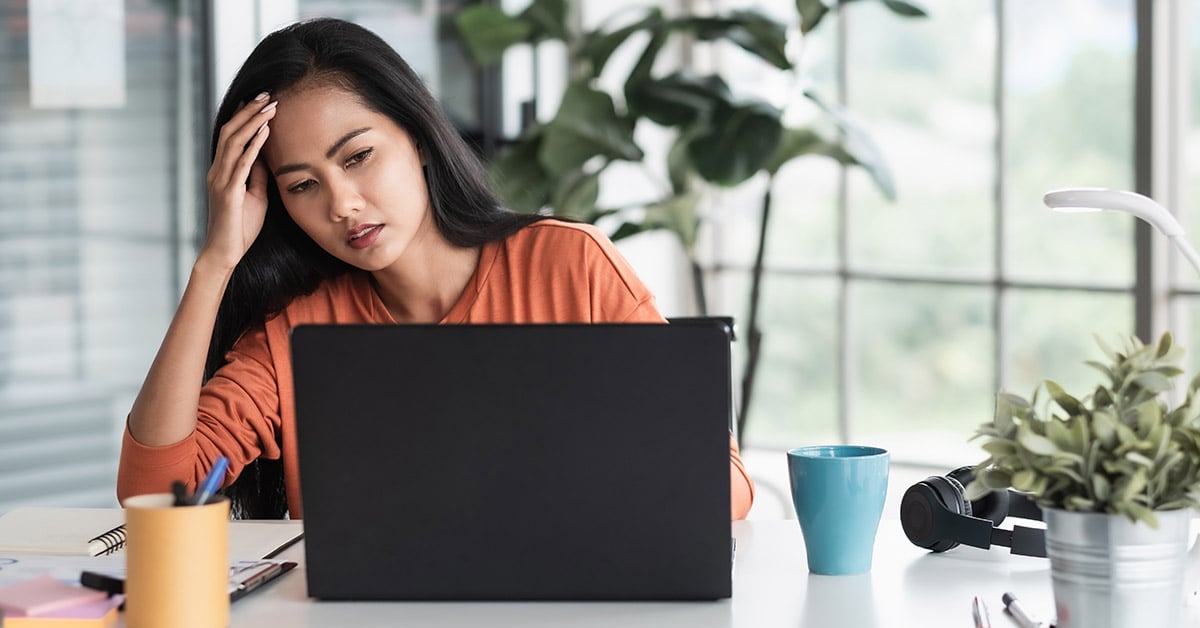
97,228
895,323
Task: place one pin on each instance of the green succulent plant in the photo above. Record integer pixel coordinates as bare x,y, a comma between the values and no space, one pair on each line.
1117,450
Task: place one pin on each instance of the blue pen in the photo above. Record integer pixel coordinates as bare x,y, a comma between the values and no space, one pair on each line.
210,483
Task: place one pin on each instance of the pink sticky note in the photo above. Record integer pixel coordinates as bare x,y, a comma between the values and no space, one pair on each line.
43,595
95,609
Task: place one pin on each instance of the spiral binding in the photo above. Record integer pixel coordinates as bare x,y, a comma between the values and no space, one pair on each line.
110,541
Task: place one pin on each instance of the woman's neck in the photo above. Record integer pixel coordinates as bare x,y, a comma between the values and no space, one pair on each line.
425,283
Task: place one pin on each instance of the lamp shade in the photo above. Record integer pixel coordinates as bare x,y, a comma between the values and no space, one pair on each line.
1095,199
1088,199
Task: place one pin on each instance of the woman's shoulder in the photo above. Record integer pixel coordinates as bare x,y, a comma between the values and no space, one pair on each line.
559,234
569,248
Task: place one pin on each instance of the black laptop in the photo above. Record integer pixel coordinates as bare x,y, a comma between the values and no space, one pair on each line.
515,462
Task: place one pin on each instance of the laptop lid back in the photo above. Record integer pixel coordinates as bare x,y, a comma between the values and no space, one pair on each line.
514,461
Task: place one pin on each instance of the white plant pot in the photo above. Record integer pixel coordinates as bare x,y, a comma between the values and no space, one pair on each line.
1109,572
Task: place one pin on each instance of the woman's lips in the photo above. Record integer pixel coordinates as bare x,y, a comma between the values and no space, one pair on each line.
364,236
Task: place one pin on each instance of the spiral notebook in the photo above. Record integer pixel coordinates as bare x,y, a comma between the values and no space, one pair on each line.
62,531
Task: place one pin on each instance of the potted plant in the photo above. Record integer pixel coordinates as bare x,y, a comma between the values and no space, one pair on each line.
1117,474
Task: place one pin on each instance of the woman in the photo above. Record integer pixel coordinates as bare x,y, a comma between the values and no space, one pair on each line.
339,192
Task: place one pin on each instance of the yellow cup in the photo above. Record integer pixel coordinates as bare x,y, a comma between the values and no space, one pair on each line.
177,563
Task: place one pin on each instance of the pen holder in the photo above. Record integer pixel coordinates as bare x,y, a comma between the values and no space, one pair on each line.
177,563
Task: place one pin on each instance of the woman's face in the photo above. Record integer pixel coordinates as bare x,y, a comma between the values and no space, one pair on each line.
349,176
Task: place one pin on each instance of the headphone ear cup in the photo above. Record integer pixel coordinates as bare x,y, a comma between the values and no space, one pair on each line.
955,494
964,475
917,507
993,506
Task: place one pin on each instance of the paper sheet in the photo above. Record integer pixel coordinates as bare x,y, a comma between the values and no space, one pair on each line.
77,53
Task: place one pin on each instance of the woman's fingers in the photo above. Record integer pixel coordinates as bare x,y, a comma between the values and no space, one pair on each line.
258,172
251,169
243,131
237,183
239,119
243,169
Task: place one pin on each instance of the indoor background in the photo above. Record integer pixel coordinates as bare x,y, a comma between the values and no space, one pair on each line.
885,322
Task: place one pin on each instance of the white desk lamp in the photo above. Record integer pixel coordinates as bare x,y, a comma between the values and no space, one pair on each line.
1085,199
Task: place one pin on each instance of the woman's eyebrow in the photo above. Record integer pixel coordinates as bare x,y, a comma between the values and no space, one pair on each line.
282,170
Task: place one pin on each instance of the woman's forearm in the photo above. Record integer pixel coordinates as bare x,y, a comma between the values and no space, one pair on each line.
164,411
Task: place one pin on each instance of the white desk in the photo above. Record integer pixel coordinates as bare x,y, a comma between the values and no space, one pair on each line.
907,587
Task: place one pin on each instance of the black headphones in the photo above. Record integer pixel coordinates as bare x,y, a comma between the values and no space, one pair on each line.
935,516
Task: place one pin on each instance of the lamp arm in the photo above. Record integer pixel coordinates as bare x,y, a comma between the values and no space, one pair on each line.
1187,251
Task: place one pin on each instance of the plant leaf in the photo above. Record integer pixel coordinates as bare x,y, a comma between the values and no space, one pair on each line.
753,31
598,46
1016,401
1108,351
740,140
999,448
676,214
1035,443
1002,419
519,177
811,13
1065,473
1139,459
1164,344
626,230
1130,485
1149,417
547,19
1069,404
1153,382
1025,480
575,195
678,99
975,490
586,126
1103,368
1138,512
797,142
1078,503
993,478
905,8
1104,425
488,31
860,145
1058,434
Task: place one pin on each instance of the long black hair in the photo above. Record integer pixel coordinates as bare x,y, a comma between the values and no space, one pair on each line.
283,262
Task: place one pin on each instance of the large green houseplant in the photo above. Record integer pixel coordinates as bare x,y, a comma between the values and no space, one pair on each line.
1117,474
721,138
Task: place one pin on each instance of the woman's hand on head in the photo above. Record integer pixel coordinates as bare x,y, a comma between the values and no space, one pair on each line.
237,184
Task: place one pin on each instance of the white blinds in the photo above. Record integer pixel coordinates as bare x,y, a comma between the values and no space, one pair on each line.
92,227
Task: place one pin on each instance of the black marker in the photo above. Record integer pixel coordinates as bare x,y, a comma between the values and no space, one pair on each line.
1018,613
102,582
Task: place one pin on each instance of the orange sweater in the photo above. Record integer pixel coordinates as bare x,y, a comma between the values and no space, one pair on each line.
246,410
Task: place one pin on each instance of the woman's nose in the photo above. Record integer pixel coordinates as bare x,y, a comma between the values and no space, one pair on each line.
344,200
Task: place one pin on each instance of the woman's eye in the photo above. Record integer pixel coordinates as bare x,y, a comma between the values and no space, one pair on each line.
359,157
301,186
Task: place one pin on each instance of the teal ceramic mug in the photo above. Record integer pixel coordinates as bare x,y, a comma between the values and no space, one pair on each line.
838,492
